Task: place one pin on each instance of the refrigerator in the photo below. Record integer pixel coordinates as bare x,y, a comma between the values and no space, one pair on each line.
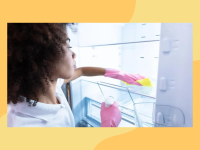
162,52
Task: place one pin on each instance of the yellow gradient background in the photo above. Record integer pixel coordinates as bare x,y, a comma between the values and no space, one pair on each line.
99,11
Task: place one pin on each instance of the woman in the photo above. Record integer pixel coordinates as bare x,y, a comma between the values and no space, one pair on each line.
40,61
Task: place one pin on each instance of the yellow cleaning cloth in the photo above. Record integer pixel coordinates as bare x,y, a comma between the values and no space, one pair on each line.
143,82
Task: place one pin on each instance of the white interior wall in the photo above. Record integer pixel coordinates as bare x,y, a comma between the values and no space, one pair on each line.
99,33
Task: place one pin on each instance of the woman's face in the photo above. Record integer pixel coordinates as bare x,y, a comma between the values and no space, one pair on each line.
67,65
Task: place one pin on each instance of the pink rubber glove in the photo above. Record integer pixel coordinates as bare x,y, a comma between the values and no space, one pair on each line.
111,116
129,78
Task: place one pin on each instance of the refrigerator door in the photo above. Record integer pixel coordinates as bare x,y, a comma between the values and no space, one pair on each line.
174,103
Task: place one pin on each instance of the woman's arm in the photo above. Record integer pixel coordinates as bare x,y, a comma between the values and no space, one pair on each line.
86,71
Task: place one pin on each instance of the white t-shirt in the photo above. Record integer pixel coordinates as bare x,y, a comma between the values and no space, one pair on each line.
42,115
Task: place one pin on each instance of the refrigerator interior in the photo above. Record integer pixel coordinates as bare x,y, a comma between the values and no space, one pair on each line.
129,47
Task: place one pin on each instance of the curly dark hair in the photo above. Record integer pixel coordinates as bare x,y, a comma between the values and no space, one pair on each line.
33,51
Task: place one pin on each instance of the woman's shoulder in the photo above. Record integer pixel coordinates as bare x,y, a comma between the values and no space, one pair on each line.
36,115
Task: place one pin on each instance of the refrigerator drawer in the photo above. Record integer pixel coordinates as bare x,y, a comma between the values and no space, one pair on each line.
136,109
93,114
